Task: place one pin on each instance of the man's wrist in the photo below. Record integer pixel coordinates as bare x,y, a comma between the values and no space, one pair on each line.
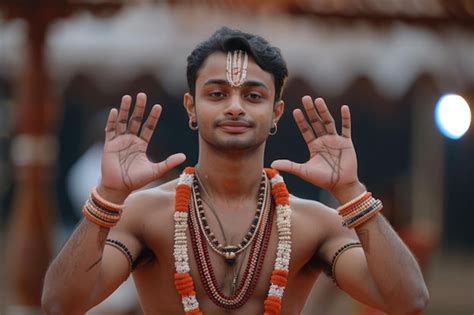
348,192
111,195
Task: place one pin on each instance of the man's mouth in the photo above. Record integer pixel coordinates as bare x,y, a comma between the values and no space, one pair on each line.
238,126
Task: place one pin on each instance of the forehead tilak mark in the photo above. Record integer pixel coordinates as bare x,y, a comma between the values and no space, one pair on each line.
236,67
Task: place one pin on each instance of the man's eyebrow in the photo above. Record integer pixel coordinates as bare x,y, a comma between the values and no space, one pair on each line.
249,83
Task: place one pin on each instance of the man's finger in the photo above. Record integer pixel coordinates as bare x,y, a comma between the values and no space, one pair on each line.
346,121
121,125
305,129
326,116
110,126
137,115
171,162
150,123
288,167
314,118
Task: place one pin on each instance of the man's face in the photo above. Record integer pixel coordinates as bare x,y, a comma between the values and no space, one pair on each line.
234,118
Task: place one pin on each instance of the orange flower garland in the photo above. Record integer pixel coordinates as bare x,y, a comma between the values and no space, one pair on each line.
183,280
279,277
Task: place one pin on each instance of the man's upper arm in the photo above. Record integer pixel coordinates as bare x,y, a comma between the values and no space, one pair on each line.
121,249
345,259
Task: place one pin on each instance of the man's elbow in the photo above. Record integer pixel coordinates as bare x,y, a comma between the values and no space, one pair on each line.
416,305
419,304
53,308
49,306
52,305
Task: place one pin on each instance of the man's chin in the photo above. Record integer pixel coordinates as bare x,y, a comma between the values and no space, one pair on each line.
237,145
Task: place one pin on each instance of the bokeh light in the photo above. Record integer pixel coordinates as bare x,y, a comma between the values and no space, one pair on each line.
452,115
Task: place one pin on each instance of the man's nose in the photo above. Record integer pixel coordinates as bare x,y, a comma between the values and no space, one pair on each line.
235,108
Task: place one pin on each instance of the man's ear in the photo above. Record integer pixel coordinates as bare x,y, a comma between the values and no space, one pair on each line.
188,103
278,110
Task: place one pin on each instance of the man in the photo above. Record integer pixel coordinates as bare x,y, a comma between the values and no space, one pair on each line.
188,241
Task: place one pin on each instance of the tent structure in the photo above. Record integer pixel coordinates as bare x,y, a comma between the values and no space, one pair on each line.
45,43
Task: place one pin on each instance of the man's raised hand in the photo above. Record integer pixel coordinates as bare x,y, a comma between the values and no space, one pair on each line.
125,166
333,163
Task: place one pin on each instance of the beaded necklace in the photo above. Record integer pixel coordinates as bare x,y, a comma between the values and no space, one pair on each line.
183,280
229,252
252,271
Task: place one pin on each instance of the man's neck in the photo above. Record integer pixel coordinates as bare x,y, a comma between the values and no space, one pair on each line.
231,176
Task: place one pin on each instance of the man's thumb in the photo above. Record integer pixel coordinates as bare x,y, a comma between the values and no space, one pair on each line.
168,164
287,166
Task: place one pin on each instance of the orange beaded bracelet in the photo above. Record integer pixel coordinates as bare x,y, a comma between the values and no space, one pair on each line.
101,202
359,210
100,211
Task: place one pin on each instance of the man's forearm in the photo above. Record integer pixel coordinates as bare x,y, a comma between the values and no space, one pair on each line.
393,267
72,276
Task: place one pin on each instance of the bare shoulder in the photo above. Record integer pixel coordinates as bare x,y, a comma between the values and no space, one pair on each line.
316,214
311,219
146,220
148,205
312,211
314,221
151,199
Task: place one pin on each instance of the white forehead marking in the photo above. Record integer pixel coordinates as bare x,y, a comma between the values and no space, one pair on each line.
236,67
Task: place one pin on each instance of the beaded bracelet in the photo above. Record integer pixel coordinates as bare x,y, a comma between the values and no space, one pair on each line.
95,216
101,202
100,211
123,249
94,219
363,214
360,205
366,218
359,210
353,202
331,271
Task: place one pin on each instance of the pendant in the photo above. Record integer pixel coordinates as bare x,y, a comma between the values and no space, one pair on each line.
230,254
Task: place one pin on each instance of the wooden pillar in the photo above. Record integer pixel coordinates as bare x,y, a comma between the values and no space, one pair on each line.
427,160
33,154
423,234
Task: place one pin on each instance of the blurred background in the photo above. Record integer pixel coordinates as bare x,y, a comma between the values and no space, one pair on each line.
405,67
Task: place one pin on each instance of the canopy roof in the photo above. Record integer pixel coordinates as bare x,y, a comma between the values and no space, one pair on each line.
329,45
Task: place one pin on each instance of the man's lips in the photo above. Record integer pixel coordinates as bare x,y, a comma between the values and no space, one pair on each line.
234,126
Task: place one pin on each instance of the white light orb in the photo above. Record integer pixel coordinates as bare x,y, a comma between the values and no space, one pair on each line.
452,115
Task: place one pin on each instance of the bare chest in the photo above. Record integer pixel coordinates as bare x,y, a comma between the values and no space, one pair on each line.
220,287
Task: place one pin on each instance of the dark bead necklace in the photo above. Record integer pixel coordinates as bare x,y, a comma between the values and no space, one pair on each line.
254,264
228,251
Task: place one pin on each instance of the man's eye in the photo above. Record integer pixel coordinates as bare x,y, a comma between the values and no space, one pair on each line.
254,97
217,94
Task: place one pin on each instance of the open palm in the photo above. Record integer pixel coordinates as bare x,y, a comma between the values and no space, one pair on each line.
333,162
125,165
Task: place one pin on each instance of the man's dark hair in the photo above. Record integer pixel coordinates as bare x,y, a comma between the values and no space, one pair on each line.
225,39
